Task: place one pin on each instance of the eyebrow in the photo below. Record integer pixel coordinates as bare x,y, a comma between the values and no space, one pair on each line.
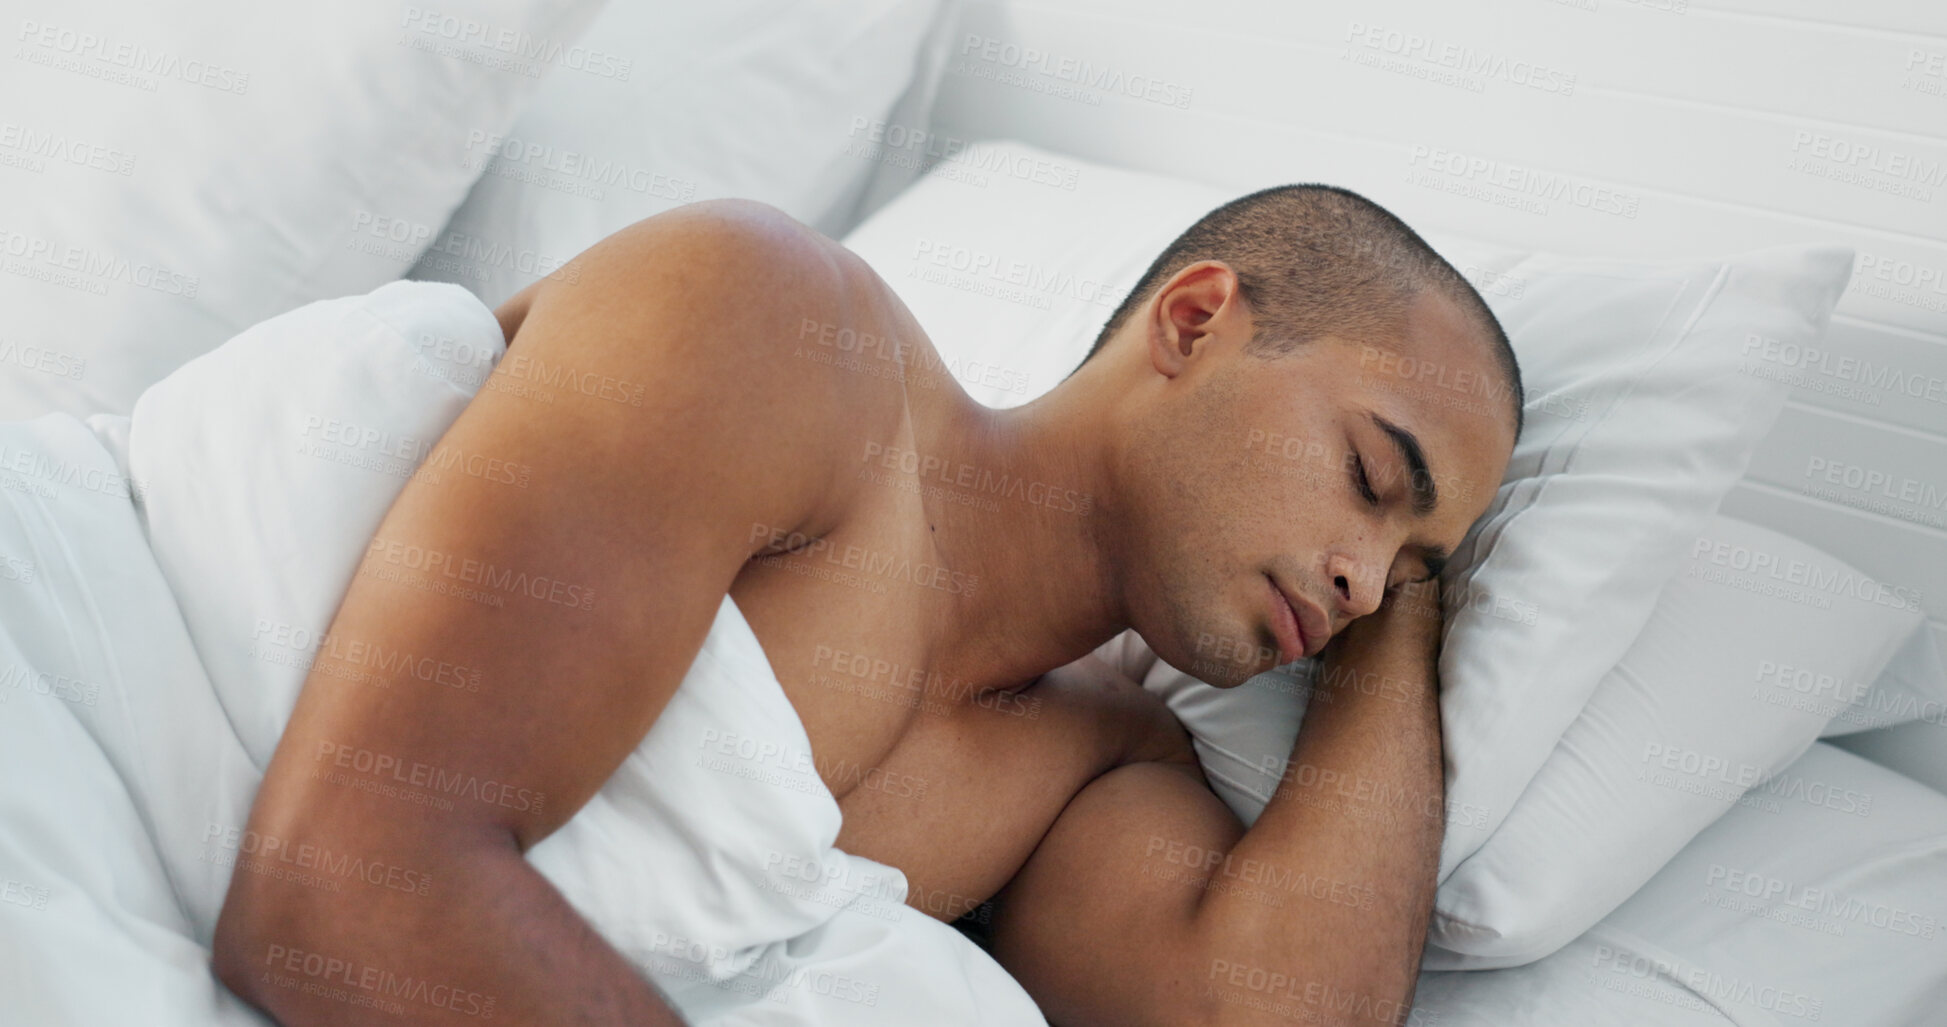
1425,495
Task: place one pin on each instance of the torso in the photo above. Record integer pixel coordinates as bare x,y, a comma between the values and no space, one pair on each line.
950,780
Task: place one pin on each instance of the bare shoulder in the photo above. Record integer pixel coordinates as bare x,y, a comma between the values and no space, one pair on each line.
717,309
759,263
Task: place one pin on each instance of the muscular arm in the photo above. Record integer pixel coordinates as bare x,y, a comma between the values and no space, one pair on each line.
568,608
1147,903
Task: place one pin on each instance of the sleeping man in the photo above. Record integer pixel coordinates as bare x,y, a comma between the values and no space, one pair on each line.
1237,472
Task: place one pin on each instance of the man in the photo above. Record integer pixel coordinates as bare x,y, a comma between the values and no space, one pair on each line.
744,464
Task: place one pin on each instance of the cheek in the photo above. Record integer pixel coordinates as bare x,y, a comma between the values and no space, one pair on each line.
1298,460
1280,472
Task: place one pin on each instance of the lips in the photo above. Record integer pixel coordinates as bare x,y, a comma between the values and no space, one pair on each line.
1285,626
1299,626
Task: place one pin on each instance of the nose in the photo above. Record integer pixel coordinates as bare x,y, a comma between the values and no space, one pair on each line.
1358,586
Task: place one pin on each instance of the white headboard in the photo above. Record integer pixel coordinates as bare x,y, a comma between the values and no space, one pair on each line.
1613,127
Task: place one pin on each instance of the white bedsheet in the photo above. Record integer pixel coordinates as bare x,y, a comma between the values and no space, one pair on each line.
114,753
1820,898
707,858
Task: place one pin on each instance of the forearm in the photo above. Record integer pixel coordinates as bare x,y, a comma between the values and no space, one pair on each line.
1352,834
492,941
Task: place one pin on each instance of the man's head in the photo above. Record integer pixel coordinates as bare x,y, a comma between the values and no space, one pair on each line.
1309,398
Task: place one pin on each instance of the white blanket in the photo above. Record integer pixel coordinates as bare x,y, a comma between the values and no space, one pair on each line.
133,726
114,752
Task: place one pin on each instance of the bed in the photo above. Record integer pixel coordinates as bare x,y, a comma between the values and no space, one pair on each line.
1008,166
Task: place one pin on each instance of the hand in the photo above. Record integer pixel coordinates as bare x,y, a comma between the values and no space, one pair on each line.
1409,623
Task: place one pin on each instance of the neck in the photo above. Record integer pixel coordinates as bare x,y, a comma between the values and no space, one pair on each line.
1034,542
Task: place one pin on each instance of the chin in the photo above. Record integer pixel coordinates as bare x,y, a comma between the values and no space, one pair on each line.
1245,675
1221,655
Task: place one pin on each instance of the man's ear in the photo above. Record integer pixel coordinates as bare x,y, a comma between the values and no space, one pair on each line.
1196,305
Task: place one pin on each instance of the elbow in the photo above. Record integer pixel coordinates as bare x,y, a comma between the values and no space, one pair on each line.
263,931
1252,964
240,952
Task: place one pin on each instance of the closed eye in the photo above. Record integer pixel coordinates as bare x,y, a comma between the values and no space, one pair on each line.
1364,483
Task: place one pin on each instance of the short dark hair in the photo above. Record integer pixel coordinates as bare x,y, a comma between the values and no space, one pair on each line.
1313,260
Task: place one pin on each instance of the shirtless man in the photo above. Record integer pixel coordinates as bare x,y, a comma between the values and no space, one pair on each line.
1194,520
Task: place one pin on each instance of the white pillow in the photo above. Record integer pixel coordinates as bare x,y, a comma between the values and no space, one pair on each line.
365,385
1727,685
1011,276
1638,421
1822,900
764,99
1637,428
173,173
1912,689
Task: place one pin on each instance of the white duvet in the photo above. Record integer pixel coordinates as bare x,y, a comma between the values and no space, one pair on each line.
133,725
